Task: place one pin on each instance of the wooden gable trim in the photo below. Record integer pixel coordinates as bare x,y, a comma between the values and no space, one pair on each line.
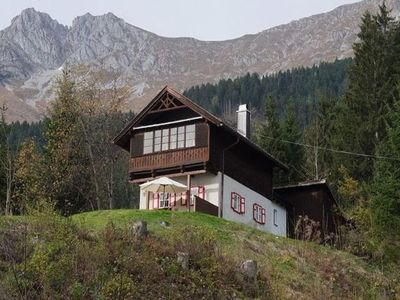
152,106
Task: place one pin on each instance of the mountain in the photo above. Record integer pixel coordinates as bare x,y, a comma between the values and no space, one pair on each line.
35,48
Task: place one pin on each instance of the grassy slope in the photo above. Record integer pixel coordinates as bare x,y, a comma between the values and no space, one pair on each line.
294,269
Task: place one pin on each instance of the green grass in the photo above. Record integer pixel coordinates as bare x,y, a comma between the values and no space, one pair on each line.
303,270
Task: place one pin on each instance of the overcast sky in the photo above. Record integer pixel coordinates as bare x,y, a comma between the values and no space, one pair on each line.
202,19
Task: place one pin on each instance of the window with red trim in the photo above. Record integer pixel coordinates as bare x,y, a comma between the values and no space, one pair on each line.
184,198
258,213
162,200
237,203
198,191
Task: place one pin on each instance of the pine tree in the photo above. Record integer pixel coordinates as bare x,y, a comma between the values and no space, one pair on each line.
269,132
371,91
318,133
292,153
385,191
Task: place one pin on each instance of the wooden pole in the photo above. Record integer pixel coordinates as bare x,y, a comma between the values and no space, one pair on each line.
189,184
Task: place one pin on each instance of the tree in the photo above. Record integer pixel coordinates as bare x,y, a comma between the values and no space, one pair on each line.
318,134
292,151
385,191
7,163
269,133
68,182
29,180
371,91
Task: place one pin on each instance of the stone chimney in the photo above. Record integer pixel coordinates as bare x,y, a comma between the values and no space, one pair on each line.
243,123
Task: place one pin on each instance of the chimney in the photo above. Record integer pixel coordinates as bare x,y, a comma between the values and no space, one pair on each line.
243,123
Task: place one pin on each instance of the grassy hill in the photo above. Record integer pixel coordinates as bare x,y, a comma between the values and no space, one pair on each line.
94,255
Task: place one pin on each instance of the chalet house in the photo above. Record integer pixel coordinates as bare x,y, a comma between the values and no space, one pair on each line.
227,174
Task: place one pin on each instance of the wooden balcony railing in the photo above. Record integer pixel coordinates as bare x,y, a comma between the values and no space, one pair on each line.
168,159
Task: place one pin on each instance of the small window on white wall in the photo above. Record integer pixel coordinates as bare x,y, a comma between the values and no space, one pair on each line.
258,213
275,217
237,203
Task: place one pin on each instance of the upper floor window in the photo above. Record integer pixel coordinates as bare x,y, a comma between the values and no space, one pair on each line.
258,213
169,139
237,203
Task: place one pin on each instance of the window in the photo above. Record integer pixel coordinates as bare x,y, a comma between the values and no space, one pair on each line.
198,191
258,213
164,200
169,139
275,217
161,200
181,137
173,138
165,140
237,203
190,136
157,140
148,142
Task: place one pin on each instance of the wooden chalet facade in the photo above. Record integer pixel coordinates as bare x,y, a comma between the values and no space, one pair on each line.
228,175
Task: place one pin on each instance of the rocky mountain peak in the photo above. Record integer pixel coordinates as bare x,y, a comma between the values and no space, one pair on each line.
34,47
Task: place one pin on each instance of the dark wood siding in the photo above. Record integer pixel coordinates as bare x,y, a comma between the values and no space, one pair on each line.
312,201
137,145
201,135
242,163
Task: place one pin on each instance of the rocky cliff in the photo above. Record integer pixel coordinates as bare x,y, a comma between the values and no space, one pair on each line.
35,48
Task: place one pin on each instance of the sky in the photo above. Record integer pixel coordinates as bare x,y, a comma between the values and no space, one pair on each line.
201,19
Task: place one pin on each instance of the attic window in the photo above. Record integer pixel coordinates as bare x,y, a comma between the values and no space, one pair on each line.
237,203
169,139
258,213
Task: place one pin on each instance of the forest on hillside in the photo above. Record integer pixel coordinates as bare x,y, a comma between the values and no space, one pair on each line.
302,86
339,121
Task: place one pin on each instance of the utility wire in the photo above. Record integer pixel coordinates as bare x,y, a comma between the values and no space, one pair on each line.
336,151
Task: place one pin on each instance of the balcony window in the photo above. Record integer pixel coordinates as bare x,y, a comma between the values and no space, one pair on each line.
173,138
165,140
169,139
181,137
190,136
148,142
157,141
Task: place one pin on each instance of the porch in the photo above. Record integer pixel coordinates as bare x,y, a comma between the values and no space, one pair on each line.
179,202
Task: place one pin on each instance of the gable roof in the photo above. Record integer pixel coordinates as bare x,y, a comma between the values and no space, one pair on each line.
121,138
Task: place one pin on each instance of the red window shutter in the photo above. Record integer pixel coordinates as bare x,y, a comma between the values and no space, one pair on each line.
184,198
202,192
173,199
156,200
263,215
242,205
254,211
232,200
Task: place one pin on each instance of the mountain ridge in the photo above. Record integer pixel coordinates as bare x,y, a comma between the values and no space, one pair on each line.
35,48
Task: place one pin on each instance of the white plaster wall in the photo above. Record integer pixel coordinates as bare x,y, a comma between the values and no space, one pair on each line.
251,197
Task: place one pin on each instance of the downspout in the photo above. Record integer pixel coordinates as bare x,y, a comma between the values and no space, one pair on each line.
221,196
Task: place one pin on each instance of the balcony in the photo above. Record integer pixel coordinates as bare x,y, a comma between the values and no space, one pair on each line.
163,160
